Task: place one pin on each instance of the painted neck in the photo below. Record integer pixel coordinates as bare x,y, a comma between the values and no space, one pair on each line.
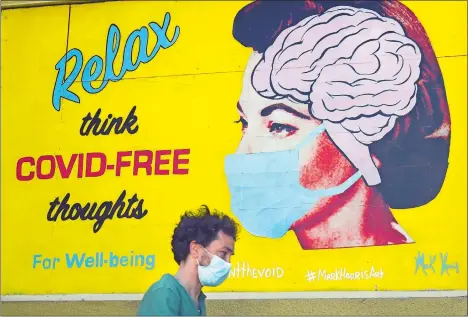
358,217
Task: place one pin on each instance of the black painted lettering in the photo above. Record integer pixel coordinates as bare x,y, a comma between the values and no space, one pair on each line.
117,125
98,212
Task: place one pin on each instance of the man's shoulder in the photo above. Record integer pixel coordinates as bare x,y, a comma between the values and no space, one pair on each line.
167,283
161,299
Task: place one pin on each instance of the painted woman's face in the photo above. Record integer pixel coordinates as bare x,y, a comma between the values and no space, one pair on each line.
271,125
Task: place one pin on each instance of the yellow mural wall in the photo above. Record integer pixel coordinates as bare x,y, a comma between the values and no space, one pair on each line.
185,105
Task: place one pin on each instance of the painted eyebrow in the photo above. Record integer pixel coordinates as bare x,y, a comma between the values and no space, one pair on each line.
239,108
268,110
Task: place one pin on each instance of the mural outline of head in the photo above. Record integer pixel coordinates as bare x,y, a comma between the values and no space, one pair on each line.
413,127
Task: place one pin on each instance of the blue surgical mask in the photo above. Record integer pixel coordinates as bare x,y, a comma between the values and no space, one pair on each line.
266,195
214,273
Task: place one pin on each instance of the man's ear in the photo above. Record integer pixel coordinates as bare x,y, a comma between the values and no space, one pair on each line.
194,249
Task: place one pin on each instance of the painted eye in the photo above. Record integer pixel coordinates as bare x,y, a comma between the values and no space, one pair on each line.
282,129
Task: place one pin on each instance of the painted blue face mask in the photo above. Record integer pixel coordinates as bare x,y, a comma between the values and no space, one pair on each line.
266,195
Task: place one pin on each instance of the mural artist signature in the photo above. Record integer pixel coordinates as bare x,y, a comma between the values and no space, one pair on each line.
425,264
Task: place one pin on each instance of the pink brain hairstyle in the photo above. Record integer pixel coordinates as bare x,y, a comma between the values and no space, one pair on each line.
367,69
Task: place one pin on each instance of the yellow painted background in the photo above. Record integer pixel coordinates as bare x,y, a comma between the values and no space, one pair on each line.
185,98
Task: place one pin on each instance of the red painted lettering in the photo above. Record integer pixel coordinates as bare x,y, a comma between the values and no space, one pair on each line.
89,164
65,171
80,165
19,169
95,164
120,163
147,157
177,161
40,167
158,162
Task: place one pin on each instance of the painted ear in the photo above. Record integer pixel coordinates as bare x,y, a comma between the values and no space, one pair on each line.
376,161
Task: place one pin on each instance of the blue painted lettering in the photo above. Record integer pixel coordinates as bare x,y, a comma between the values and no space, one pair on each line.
445,267
45,263
420,263
74,261
91,72
94,260
95,66
62,84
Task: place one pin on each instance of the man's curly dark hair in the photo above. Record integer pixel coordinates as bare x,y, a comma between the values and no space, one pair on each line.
201,226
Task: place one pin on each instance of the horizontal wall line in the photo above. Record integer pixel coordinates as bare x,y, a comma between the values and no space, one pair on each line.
243,295
18,4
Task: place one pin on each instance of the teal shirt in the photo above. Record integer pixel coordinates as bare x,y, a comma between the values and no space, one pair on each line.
167,297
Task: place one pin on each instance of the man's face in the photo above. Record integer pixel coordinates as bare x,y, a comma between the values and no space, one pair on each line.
223,247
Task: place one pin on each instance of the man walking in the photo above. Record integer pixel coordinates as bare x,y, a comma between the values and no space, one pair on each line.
202,243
